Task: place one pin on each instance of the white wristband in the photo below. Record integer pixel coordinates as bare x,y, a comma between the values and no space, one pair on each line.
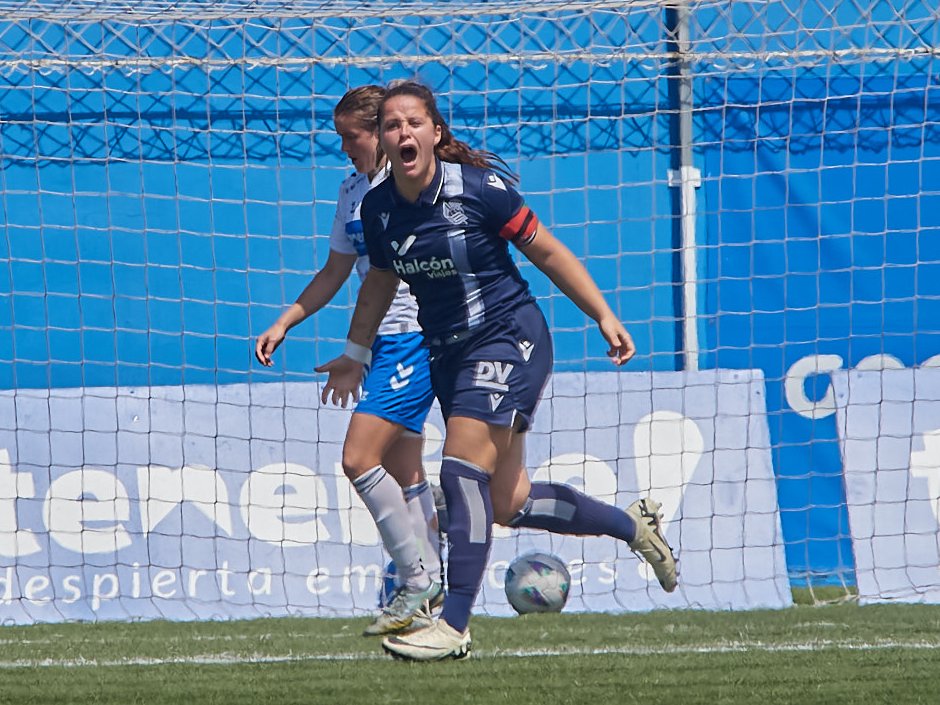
359,353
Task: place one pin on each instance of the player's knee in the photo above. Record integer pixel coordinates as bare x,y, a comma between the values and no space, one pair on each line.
405,475
503,520
506,509
356,462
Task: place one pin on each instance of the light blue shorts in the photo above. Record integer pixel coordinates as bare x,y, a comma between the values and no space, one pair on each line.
397,387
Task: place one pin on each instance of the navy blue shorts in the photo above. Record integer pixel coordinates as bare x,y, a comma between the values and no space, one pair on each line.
497,374
397,386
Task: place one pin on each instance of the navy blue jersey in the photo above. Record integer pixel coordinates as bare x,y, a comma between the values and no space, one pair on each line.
452,246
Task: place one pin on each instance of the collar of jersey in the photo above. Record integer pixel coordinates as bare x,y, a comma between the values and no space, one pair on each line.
381,175
430,194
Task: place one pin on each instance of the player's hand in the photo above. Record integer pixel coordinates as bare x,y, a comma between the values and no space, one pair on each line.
621,344
268,342
344,380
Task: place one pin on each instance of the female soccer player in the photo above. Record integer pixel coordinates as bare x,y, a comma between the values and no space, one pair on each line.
442,222
383,449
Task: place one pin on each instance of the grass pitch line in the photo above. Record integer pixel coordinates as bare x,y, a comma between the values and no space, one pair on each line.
247,659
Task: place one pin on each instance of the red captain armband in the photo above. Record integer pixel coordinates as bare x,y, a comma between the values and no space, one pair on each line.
521,228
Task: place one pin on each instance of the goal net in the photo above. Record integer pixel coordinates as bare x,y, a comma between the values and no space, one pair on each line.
752,184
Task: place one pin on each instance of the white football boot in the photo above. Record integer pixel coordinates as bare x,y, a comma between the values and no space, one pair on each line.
436,642
650,543
407,610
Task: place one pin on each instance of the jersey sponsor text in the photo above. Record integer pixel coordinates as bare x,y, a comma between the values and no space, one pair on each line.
433,268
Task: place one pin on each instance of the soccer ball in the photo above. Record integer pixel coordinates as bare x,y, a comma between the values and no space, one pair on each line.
537,582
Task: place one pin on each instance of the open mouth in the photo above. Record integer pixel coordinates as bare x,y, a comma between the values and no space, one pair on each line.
408,154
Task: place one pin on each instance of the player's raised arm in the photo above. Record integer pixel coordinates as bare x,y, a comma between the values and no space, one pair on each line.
551,256
345,372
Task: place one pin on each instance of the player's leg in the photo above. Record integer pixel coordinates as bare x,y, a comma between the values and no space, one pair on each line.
399,390
471,451
368,440
562,509
557,507
551,506
395,400
404,461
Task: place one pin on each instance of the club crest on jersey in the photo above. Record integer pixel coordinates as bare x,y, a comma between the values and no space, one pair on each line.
453,211
402,248
492,375
384,218
494,181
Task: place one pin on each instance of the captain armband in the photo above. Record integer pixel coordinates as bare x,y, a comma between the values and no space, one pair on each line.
521,228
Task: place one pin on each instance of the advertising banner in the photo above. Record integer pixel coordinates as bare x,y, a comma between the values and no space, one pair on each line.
208,502
889,428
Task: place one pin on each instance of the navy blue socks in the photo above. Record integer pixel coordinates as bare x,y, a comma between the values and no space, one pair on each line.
467,489
562,509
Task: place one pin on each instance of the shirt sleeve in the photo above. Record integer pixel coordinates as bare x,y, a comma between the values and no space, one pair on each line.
339,239
506,211
372,231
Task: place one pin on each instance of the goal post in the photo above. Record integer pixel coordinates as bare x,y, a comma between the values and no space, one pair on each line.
752,184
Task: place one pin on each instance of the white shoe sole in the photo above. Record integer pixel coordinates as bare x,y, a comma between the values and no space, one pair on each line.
428,655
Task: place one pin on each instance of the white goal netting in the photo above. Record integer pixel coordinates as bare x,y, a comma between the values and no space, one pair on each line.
753,185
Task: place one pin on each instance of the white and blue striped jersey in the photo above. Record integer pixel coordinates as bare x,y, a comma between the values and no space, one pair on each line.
347,238
452,246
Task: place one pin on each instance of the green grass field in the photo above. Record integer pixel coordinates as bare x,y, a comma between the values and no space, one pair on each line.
827,654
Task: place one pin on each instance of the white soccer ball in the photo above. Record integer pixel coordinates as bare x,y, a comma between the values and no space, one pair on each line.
537,582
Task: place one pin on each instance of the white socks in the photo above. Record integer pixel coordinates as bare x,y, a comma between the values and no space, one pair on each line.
383,497
420,501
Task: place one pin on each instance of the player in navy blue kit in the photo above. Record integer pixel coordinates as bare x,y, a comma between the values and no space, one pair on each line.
443,222
384,442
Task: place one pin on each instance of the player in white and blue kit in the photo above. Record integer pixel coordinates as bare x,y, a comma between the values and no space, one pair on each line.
443,222
382,455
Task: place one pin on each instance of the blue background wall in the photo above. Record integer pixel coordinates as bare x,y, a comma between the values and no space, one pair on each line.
197,215
822,237
155,221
